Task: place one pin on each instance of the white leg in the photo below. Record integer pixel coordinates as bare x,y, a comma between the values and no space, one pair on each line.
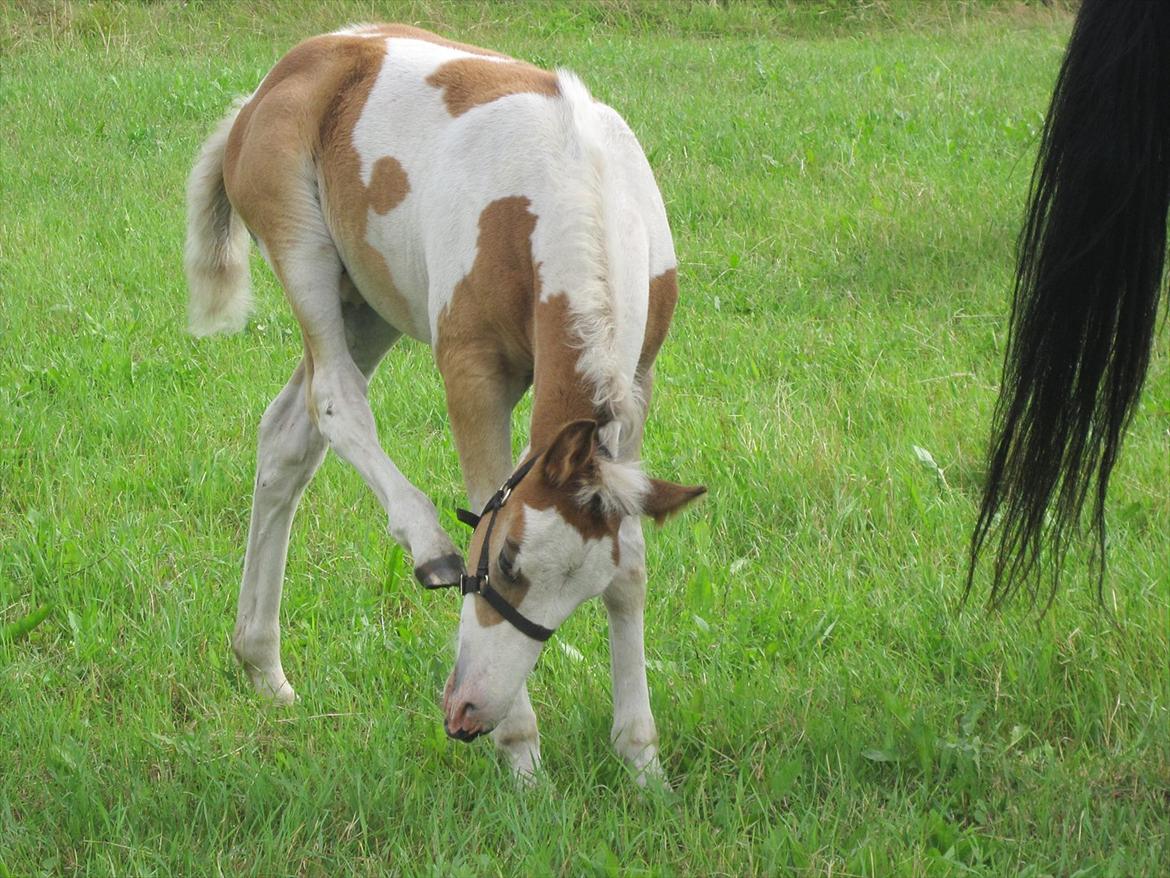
338,398
339,408
518,738
290,450
634,734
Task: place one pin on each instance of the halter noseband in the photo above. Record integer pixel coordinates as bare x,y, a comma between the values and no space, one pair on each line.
479,584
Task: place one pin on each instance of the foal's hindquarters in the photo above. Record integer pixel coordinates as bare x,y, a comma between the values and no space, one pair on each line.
399,183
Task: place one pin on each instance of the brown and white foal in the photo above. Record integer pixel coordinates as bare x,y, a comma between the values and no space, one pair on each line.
400,183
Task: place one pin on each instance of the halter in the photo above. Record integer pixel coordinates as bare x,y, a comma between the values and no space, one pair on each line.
479,584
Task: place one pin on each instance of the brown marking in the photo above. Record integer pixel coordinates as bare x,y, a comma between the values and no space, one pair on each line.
666,499
297,129
388,185
663,298
497,326
348,201
589,521
488,322
483,343
560,394
472,82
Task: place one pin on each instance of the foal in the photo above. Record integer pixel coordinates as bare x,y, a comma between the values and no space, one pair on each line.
397,183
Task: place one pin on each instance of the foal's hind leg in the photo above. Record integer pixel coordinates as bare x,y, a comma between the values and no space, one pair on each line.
290,450
338,406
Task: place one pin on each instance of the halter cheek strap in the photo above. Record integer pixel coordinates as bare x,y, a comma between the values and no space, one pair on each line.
479,582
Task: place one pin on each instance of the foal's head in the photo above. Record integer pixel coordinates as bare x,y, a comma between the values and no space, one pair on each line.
553,545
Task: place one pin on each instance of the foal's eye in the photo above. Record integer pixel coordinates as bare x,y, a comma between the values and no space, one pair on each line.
506,560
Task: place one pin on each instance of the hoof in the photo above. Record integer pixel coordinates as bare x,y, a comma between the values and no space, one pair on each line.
272,688
443,571
282,696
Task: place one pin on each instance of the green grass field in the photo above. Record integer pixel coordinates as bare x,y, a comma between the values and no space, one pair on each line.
845,181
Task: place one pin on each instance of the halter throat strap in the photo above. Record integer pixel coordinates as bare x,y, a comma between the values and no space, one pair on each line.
479,583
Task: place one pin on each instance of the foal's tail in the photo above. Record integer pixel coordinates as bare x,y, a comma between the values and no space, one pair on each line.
1088,279
216,256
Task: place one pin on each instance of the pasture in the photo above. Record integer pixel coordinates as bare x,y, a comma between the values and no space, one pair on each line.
844,182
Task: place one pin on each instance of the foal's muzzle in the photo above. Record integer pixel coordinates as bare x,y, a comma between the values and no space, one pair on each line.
464,735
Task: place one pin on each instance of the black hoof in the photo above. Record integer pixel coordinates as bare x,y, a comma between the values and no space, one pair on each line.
440,572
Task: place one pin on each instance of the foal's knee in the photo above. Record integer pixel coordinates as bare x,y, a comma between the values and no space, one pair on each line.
627,592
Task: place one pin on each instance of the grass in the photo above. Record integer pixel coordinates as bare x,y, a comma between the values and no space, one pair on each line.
844,181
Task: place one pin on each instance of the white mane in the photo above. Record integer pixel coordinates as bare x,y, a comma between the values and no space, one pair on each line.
588,241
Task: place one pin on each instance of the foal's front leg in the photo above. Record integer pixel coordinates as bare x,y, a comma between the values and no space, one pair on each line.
634,735
479,403
518,739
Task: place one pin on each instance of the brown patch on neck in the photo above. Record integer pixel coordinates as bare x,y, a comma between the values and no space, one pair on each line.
663,298
560,393
487,325
496,324
472,82
483,343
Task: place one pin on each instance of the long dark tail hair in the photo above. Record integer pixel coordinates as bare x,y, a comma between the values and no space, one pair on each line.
1088,278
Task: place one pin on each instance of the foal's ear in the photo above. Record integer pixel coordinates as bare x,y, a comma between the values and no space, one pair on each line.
665,499
570,453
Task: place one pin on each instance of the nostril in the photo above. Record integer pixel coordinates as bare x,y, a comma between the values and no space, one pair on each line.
467,708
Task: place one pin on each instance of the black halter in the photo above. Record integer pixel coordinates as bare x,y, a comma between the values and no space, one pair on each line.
479,584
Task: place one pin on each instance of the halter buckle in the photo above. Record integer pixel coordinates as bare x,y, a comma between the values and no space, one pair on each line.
471,583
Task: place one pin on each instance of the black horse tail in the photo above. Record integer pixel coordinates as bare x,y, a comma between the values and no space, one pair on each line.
1088,277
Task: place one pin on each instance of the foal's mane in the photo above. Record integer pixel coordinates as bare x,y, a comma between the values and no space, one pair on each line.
585,214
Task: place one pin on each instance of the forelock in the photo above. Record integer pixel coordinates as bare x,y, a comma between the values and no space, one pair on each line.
620,488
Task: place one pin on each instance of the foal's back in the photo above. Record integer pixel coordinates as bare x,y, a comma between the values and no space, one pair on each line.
409,143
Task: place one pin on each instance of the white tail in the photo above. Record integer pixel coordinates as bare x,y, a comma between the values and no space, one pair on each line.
216,255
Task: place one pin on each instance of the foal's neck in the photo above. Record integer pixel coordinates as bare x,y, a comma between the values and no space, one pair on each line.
560,393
